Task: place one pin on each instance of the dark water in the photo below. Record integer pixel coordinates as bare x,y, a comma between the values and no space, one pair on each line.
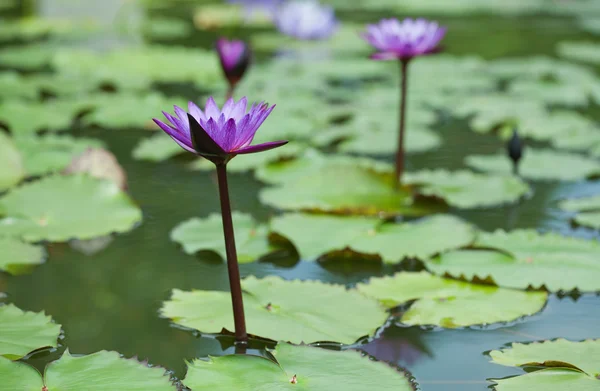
110,300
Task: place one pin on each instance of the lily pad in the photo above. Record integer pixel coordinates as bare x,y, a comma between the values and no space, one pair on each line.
29,57
207,234
540,164
18,257
28,117
588,210
11,163
95,372
216,16
316,235
35,28
282,310
465,189
23,332
300,368
585,51
51,153
76,206
157,148
450,303
564,365
166,28
528,259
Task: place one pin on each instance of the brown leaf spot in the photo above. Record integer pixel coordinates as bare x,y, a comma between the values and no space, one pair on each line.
43,221
269,307
294,380
371,232
44,388
529,260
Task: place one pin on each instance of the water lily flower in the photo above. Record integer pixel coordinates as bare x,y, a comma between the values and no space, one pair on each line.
234,56
305,20
403,41
219,134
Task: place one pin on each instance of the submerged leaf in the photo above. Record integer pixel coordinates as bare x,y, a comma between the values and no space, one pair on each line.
98,163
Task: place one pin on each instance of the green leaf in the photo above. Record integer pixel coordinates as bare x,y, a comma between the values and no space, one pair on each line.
568,94
314,369
11,163
29,57
569,365
156,148
13,85
529,259
29,117
585,51
98,371
51,153
75,206
587,208
449,303
166,28
465,189
207,234
33,28
17,257
216,16
590,24
540,164
316,235
281,310
23,332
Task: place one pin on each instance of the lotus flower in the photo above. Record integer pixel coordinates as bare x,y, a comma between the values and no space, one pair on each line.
404,40
218,135
235,58
305,20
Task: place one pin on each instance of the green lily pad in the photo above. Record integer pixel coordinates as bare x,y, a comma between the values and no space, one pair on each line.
540,164
23,332
564,365
528,259
29,117
29,57
157,148
35,28
450,303
207,234
588,210
11,163
75,206
18,257
316,235
310,368
568,94
51,153
281,310
590,24
585,51
465,189
383,142
216,16
166,28
95,372
13,85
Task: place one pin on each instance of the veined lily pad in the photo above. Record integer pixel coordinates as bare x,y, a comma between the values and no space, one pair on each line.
316,235
51,153
300,368
449,303
585,51
23,332
588,210
282,310
17,257
11,163
207,234
541,164
528,259
564,365
465,189
98,371
75,206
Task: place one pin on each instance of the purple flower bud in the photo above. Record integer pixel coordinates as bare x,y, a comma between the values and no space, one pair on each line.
305,20
235,58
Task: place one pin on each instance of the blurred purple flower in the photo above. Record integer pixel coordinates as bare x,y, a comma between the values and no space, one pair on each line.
218,135
235,58
305,19
404,40
252,6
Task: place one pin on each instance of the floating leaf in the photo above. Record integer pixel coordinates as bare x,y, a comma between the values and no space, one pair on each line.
35,28
50,153
585,51
23,332
216,16
207,234
30,57
541,164
281,310
316,235
568,365
11,163
312,368
17,257
590,24
13,85
465,189
98,163
528,259
166,28
157,148
27,117
449,303
76,206
587,208
95,372
568,94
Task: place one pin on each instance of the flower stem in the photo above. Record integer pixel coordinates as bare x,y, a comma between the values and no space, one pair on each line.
232,263
402,121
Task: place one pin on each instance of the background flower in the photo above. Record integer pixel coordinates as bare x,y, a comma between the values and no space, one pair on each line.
305,20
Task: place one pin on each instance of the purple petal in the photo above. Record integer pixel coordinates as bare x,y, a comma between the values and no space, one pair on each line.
196,112
175,135
260,147
382,56
212,110
228,135
202,141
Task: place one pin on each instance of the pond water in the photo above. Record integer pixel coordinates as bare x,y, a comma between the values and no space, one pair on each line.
110,300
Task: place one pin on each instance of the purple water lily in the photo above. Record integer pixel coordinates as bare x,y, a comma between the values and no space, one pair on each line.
215,134
404,40
305,20
235,58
